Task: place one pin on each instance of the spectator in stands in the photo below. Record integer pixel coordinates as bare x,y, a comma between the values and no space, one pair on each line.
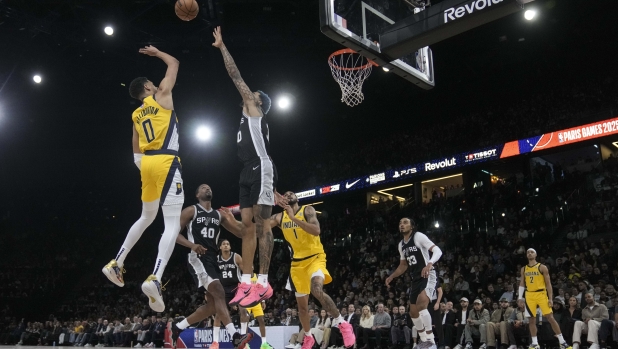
99,334
117,334
592,315
321,330
381,327
143,337
297,338
476,325
159,332
448,318
365,322
497,324
272,320
401,328
518,324
509,294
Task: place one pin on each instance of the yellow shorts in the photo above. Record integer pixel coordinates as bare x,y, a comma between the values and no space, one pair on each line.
256,311
161,179
302,271
537,299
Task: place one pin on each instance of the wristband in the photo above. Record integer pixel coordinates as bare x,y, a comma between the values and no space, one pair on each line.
137,159
521,292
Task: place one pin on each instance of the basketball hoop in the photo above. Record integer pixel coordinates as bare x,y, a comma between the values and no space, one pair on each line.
350,69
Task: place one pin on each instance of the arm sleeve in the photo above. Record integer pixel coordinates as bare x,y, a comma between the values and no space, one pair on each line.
423,241
401,256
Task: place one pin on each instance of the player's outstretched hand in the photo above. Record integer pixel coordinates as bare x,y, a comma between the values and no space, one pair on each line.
149,50
218,38
280,200
388,281
227,213
199,249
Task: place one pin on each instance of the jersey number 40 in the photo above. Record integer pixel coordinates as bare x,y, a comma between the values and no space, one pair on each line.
208,233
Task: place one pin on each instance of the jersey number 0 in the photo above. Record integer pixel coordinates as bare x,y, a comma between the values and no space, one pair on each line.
148,130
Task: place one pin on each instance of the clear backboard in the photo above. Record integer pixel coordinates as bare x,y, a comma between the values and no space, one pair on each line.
358,24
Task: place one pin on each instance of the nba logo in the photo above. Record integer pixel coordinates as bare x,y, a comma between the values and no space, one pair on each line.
560,139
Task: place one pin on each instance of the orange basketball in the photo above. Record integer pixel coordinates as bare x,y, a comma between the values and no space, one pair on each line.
186,9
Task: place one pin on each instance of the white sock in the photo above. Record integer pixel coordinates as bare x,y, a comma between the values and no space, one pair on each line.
535,340
246,279
426,319
560,338
337,320
420,328
230,329
263,279
149,213
243,328
264,340
171,218
183,324
215,333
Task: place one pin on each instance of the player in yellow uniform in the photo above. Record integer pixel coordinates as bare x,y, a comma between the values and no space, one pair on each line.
155,152
535,288
308,273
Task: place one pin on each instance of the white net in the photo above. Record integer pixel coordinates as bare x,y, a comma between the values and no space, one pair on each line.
350,70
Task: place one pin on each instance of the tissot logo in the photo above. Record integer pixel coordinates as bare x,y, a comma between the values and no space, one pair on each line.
453,13
481,155
373,179
430,166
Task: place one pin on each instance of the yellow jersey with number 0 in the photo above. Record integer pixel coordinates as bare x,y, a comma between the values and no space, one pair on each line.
301,243
156,126
534,278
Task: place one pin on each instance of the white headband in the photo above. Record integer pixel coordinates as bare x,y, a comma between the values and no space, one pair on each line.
531,249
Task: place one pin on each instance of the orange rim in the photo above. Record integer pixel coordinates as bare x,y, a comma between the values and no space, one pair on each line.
349,51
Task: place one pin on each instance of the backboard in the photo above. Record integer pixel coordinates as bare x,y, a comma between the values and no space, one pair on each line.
396,34
357,24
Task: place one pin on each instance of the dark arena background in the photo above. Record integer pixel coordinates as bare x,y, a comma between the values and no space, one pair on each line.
502,136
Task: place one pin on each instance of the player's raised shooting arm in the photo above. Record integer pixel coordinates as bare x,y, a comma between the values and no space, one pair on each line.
312,225
231,68
168,82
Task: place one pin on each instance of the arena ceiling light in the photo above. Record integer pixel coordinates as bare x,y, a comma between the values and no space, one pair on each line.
109,30
37,79
530,14
437,225
284,102
203,133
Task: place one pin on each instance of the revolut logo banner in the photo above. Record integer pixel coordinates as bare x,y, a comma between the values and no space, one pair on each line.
431,166
453,13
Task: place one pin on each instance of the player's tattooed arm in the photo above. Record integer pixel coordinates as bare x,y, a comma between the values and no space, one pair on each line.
231,68
274,220
311,224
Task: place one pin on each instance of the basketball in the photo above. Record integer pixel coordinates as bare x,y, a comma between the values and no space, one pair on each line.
186,9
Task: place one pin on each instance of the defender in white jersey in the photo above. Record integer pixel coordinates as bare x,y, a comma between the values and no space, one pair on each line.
414,252
258,180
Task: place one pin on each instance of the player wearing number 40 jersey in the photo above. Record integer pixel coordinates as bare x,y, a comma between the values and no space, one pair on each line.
414,252
155,152
203,227
535,288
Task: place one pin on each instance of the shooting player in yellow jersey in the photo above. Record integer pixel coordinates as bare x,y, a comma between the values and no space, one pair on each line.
535,288
155,152
308,273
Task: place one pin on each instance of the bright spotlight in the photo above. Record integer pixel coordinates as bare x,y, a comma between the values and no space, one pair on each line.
37,79
284,102
503,214
203,133
437,225
109,30
529,14
385,69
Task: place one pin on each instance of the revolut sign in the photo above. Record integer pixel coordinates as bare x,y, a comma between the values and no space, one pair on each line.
454,13
441,21
431,166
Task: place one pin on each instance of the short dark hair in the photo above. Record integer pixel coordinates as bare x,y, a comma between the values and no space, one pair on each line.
411,221
266,102
136,89
221,242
